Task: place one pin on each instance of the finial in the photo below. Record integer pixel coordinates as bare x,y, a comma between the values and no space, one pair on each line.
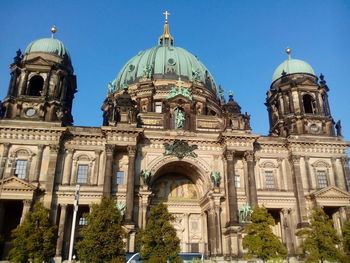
166,13
230,93
53,31
288,51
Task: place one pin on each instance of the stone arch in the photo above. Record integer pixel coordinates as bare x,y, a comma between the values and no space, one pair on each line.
195,170
35,86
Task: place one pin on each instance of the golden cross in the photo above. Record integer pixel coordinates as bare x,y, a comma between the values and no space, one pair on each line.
166,13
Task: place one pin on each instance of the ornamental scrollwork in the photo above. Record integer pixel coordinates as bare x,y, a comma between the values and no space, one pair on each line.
180,149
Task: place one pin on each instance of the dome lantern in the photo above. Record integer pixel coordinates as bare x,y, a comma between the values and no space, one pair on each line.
166,39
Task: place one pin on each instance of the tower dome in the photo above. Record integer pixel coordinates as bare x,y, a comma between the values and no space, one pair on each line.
164,61
48,45
292,66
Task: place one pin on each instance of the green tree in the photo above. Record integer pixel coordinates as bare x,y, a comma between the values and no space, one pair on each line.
159,241
260,240
320,240
346,237
35,239
103,235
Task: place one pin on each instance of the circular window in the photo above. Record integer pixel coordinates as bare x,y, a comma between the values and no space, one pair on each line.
314,128
30,112
131,67
171,61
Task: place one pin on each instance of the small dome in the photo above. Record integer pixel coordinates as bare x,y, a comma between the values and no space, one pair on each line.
164,62
292,66
48,45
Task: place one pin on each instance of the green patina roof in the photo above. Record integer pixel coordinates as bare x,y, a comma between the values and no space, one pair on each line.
291,66
48,45
164,62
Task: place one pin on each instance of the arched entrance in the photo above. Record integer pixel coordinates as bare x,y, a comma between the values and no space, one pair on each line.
181,187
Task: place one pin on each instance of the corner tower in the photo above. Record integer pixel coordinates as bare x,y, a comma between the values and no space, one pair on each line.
297,102
42,84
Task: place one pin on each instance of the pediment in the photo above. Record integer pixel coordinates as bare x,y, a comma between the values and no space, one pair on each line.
330,192
39,61
180,97
14,183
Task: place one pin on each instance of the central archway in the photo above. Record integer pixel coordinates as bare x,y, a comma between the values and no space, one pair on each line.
181,187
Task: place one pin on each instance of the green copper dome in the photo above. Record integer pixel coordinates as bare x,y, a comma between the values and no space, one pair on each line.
48,45
291,66
164,62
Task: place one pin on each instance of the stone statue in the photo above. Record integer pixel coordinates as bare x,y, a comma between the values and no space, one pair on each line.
196,75
121,208
111,87
215,178
245,212
179,119
146,176
338,128
147,72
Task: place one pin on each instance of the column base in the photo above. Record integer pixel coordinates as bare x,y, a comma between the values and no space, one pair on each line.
57,259
233,241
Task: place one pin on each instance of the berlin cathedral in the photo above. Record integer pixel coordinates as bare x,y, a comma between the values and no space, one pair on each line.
168,134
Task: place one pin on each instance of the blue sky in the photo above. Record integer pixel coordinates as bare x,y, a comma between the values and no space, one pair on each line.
240,42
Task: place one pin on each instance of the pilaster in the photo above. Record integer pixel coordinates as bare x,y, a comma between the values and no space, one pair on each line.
130,185
249,156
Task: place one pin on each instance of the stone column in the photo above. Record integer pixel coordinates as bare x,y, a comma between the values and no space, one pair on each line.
345,163
67,167
50,178
308,174
107,185
96,167
39,158
338,181
61,230
249,156
212,232
130,185
218,230
232,193
204,227
299,191
26,208
282,176
4,157
287,234
187,232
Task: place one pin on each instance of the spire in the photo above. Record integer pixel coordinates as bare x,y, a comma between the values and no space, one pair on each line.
166,39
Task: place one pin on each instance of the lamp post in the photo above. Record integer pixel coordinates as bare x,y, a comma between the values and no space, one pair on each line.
76,205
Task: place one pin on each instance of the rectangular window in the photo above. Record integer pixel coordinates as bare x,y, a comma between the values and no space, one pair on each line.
158,107
21,169
237,181
120,178
269,180
322,178
82,173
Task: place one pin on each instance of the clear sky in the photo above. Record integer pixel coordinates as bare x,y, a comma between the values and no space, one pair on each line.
240,42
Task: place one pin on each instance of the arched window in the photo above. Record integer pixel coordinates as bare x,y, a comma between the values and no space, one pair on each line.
308,102
36,84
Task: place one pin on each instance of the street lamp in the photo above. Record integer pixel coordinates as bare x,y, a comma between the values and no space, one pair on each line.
76,205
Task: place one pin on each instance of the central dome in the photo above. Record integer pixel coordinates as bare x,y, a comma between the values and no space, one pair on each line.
164,61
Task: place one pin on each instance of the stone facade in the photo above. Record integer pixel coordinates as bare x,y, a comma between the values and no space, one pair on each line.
174,141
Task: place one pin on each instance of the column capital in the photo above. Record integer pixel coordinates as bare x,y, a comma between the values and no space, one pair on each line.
41,147
249,156
7,145
64,206
295,159
98,152
27,202
110,148
54,148
230,154
70,151
131,151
